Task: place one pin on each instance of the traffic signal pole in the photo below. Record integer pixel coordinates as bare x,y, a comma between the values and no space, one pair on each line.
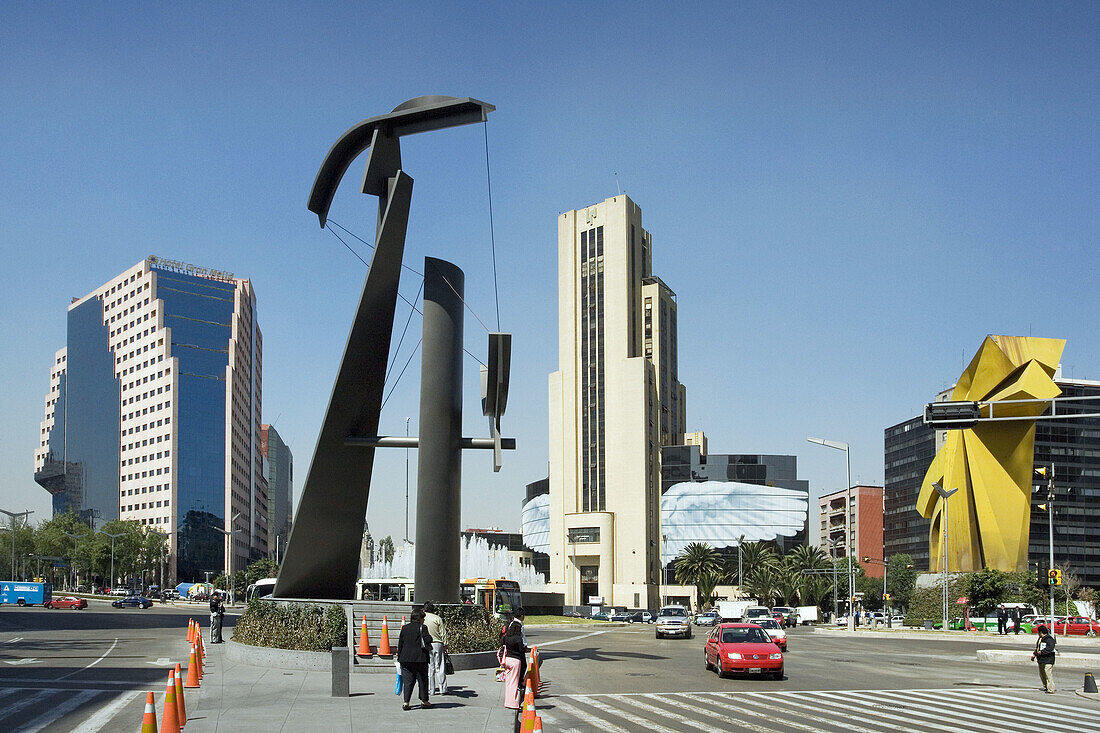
1050,535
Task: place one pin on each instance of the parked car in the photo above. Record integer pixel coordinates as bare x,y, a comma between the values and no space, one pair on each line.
119,592
1076,625
706,618
67,602
742,648
619,616
673,621
897,620
599,616
643,617
573,614
132,601
775,630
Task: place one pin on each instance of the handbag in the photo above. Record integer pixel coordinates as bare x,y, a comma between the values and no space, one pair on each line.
448,666
499,675
397,685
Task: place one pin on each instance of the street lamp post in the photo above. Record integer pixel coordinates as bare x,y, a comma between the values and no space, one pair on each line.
229,554
407,481
72,561
945,494
832,556
112,536
25,514
837,445
740,577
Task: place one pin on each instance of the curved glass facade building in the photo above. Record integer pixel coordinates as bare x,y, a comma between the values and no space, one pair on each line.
153,413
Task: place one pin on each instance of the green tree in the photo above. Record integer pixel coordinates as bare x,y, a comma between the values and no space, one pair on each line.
754,555
791,583
385,548
901,577
764,583
259,569
988,587
804,557
700,565
50,539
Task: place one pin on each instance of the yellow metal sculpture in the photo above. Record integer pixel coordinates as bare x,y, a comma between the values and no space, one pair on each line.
991,464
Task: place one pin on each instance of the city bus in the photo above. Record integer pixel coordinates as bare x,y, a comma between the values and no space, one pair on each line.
384,589
497,595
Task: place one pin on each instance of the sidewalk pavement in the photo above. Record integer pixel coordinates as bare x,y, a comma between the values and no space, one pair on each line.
242,698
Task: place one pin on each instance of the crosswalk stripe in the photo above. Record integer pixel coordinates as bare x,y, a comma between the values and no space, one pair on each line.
630,717
681,719
808,714
724,716
27,701
828,700
1014,715
978,724
103,716
587,717
58,711
1030,707
743,709
885,720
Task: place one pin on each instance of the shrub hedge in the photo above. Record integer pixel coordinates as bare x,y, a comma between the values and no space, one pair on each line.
469,628
308,628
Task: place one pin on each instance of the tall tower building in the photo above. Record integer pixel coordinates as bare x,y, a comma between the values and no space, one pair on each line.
279,472
153,413
614,402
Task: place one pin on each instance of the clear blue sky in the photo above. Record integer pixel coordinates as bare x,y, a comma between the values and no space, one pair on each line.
845,197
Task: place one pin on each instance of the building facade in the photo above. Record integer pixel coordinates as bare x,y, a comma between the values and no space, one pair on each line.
153,413
279,473
614,402
858,531
1072,446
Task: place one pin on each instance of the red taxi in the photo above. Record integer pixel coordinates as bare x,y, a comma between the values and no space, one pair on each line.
67,602
742,648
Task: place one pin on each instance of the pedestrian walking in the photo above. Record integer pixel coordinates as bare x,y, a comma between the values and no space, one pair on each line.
1002,620
217,614
413,649
437,664
514,660
1017,617
1044,655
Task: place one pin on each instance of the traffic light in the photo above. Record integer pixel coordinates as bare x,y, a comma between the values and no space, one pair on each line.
951,415
885,596
866,558
1054,576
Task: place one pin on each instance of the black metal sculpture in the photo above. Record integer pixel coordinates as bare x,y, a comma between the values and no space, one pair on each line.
321,559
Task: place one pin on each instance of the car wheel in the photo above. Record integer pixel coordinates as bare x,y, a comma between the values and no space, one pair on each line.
21,602
1090,632
656,635
706,662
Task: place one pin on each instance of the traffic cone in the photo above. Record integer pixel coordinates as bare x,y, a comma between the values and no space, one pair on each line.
198,660
170,718
528,709
384,643
364,640
402,622
192,671
1090,683
538,724
149,720
536,677
190,630
179,695
201,645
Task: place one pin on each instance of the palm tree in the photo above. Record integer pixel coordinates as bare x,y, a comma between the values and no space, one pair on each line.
791,582
700,565
755,555
805,557
764,584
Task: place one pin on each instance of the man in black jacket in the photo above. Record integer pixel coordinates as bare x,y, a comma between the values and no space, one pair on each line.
1002,620
1044,655
413,647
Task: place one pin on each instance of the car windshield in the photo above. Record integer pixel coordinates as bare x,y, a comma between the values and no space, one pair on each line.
744,636
672,612
769,623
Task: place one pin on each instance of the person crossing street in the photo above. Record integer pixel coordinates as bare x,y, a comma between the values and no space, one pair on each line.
1044,654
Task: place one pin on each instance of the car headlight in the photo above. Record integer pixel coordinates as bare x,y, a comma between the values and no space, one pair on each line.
775,656
733,655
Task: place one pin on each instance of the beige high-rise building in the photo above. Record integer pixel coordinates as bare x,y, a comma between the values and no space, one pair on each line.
614,401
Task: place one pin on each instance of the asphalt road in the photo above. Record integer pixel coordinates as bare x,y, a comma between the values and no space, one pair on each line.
83,671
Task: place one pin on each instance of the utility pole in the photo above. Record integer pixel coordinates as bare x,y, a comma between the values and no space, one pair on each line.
407,482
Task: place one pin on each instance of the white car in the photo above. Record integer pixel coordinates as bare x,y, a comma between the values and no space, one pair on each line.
775,630
897,620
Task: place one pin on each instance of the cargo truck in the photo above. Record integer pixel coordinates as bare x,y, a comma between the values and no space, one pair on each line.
25,594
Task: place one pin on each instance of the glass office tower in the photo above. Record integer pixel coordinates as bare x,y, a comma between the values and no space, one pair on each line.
153,413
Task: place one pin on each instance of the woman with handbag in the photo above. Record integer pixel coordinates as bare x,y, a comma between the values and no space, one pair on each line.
513,657
413,650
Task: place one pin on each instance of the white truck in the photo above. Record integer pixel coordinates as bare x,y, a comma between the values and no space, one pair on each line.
807,615
732,610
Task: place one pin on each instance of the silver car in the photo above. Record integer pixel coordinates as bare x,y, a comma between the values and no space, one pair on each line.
673,621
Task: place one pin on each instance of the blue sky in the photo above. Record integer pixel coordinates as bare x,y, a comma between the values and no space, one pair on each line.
846,198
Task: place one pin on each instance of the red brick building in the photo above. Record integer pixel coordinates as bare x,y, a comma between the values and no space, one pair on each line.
865,523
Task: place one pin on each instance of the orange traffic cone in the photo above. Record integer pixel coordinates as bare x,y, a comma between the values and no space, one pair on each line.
538,724
192,671
198,660
364,640
178,675
202,646
170,718
384,644
149,720
402,622
190,630
528,709
533,670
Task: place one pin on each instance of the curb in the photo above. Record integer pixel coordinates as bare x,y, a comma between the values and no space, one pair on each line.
1013,656
1087,695
262,656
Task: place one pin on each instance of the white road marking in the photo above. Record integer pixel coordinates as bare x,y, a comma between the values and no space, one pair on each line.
586,717
89,666
12,641
768,718
840,702
639,722
27,701
24,660
1029,707
58,711
573,638
105,713
162,662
